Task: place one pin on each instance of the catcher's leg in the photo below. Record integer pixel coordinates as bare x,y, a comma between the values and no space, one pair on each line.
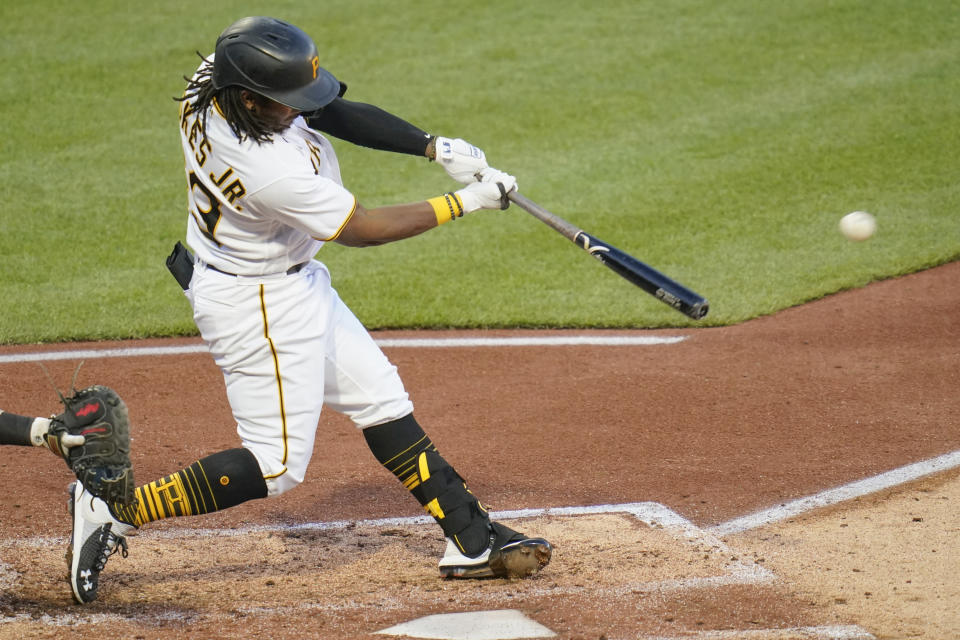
219,481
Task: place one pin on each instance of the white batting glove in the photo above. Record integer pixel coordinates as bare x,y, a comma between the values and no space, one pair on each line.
489,194
461,160
38,436
495,175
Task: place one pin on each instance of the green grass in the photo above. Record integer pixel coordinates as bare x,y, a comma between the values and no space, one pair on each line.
718,141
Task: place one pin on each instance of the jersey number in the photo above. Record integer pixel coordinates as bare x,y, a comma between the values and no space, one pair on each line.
211,217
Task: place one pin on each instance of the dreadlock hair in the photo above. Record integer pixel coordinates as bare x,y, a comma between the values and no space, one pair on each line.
201,95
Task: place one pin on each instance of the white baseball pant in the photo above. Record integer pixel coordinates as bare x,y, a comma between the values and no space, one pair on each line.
287,345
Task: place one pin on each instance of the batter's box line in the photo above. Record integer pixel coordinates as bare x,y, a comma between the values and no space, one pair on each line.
657,516
860,488
8,576
653,514
827,632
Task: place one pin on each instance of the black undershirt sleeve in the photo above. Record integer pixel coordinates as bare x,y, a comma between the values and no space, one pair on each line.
369,126
15,429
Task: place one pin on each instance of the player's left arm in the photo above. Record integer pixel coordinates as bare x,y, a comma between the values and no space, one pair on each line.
370,126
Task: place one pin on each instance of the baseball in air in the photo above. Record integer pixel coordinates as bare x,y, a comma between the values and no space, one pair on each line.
858,226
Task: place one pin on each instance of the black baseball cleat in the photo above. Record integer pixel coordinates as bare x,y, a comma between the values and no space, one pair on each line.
96,536
509,555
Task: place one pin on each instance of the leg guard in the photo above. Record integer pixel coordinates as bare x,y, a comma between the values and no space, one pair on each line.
406,451
445,496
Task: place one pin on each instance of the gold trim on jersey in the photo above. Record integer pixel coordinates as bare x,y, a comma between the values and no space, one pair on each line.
340,229
276,369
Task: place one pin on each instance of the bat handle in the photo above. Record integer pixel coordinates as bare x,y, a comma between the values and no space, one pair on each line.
566,229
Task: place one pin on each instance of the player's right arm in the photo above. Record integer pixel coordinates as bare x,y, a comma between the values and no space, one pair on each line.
371,227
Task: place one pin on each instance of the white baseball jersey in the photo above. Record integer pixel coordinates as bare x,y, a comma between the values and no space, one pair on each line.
285,342
260,208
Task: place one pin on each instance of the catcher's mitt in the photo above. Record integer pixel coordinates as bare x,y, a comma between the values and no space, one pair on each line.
102,462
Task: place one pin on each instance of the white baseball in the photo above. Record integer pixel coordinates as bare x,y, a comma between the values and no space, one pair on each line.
858,225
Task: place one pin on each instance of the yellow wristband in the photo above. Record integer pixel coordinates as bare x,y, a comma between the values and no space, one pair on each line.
446,207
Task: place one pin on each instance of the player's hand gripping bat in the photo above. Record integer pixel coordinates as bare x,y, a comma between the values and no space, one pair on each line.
639,273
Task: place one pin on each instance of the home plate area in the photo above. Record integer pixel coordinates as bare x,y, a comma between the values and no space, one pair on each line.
619,571
621,556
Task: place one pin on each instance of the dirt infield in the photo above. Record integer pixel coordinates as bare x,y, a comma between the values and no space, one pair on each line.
689,435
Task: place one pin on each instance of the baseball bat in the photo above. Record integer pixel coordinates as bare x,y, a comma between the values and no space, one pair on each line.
660,286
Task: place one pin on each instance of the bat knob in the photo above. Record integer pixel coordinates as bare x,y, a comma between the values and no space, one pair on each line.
699,310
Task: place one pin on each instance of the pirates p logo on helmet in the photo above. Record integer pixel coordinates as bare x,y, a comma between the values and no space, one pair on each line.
276,60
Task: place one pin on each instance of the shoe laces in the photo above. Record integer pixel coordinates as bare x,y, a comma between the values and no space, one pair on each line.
110,543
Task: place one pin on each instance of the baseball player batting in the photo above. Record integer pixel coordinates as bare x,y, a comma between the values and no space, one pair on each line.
265,193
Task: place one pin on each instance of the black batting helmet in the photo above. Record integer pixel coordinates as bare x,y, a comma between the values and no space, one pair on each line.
275,59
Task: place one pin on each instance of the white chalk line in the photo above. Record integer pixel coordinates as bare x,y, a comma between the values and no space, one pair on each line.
836,495
8,577
413,343
827,632
653,514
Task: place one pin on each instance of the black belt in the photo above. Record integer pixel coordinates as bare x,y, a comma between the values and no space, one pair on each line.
292,270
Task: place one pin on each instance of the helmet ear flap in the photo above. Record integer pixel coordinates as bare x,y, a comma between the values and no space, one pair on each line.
275,59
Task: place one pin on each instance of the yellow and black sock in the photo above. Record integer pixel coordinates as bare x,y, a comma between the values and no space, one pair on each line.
407,452
217,482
